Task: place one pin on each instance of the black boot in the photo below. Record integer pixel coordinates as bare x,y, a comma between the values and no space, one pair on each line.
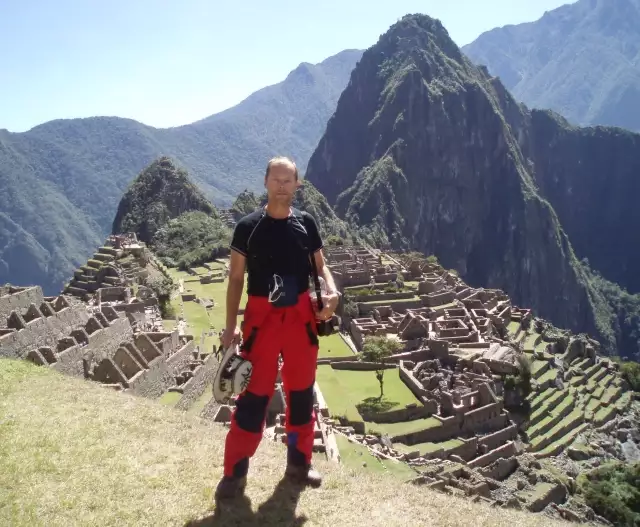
231,487
304,474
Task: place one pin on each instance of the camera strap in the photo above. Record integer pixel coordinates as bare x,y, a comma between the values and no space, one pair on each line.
316,280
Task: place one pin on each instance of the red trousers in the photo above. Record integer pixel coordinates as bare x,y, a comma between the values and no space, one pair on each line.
268,332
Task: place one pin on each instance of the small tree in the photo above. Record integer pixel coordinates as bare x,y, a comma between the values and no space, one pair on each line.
377,349
163,286
350,308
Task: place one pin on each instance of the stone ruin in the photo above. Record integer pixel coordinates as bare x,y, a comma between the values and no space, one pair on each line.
114,337
120,262
460,345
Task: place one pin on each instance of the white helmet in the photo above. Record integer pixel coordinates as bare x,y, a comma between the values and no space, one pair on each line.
232,376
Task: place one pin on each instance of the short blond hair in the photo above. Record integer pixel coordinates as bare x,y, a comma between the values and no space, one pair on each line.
281,160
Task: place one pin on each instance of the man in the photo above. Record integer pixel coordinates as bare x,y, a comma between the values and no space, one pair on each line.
275,245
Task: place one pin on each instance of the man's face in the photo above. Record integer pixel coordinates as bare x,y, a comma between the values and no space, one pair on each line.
281,183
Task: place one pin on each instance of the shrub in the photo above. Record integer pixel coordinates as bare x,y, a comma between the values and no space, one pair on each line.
613,492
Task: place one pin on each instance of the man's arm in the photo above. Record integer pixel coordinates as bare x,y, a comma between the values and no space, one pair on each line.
235,287
324,271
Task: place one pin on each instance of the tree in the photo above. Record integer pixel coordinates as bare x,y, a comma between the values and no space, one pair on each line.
631,372
377,349
163,286
350,308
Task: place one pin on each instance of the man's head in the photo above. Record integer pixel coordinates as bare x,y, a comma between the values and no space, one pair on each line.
281,180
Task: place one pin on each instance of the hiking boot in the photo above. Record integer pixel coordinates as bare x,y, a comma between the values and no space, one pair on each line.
230,487
305,474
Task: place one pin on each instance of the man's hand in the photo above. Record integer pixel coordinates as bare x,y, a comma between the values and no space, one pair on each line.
329,303
230,336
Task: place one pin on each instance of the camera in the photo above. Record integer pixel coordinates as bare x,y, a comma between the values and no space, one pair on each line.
327,327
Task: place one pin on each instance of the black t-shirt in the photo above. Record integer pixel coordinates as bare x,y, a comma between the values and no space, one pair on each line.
276,246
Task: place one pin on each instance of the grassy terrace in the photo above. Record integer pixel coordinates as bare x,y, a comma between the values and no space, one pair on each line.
333,346
357,456
197,317
594,394
344,390
513,326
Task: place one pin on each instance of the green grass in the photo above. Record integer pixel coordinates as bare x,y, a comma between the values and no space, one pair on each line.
199,318
537,367
513,326
549,375
201,401
334,346
358,457
114,459
343,390
170,398
574,416
530,340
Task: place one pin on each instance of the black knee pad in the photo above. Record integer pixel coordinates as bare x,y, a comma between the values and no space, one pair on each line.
241,468
301,406
251,410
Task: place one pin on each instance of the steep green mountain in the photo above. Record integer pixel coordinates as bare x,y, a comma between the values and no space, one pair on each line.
60,182
427,151
160,193
170,214
581,60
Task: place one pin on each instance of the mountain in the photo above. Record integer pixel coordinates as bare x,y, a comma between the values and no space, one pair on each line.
60,182
428,152
172,216
581,60
160,193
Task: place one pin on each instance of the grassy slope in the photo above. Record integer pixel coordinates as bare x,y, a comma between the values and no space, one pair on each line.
73,453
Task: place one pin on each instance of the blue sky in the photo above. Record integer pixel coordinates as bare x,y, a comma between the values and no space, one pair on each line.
167,63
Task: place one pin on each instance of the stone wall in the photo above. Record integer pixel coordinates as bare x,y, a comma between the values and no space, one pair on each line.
503,368
360,365
500,469
398,305
467,450
18,301
201,381
475,419
113,294
412,383
496,439
384,296
102,344
507,450
155,381
409,413
449,428
44,331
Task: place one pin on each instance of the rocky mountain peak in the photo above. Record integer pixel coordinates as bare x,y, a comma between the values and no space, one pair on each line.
428,152
161,192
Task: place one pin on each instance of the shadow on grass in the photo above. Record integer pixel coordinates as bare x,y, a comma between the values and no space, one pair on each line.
375,405
279,509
